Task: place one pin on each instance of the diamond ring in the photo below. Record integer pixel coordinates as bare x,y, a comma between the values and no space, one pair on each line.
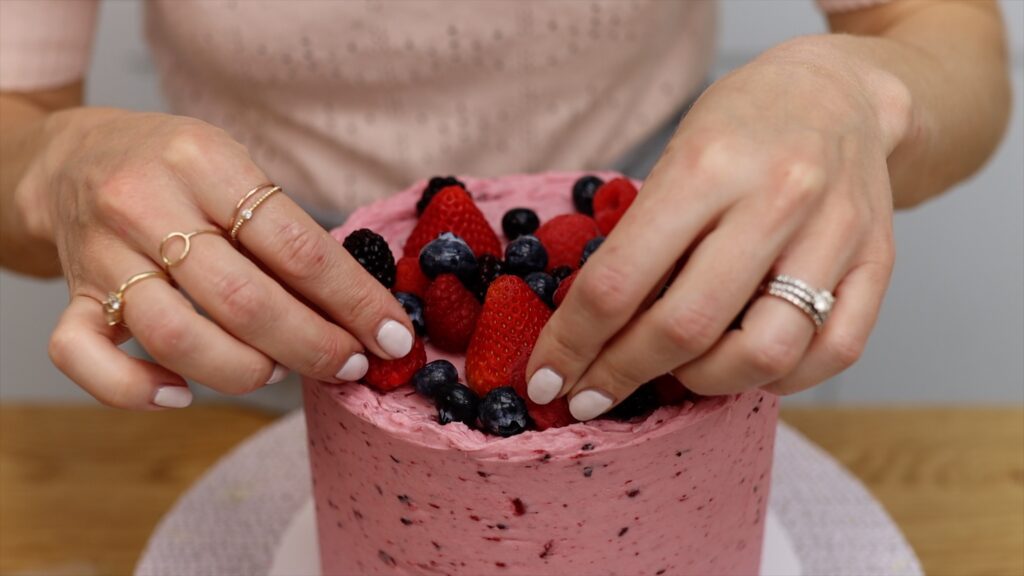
113,306
816,304
245,213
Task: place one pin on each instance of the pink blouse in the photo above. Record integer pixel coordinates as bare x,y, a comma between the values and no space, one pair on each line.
343,102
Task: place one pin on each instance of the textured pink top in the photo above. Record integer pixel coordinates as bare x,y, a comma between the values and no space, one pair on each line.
344,102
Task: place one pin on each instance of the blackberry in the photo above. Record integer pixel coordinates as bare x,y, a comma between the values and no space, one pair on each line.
642,401
414,308
560,273
457,403
435,378
590,248
489,268
448,254
435,185
372,252
544,285
524,255
519,222
503,412
583,191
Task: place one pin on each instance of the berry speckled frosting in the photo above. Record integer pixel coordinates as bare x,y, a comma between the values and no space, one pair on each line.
682,490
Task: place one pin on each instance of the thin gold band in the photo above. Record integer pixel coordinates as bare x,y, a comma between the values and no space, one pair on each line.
187,239
250,194
244,215
113,307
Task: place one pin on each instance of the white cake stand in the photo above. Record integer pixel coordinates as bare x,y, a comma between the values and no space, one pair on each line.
252,514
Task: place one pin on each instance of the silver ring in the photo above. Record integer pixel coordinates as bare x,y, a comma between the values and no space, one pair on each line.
816,304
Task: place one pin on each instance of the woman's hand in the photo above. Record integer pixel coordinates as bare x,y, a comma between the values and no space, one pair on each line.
112,184
779,168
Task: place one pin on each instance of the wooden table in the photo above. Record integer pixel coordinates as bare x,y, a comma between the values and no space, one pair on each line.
81,488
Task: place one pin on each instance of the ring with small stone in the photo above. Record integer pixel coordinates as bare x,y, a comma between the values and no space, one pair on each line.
170,262
113,306
816,304
245,213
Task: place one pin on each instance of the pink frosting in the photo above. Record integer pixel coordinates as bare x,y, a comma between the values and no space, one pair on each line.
682,491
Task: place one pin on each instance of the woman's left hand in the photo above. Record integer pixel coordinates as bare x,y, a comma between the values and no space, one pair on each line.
779,168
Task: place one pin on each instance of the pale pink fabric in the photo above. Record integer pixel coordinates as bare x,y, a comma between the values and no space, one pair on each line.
344,102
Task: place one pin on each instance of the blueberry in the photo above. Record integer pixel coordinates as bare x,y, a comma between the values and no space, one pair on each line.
457,403
583,193
524,255
435,185
590,248
414,308
519,222
435,378
560,273
448,254
503,412
642,401
544,285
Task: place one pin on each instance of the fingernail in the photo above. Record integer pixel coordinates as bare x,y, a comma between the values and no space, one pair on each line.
395,339
354,369
589,404
172,396
544,386
279,373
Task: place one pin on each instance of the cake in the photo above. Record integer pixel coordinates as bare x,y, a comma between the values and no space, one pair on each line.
682,490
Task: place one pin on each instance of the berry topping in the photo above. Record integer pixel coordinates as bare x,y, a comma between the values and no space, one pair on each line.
519,222
524,255
372,252
450,312
409,277
590,248
452,210
611,202
583,193
457,403
435,377
668,390
503,412
414,308
490,268
448,254
641,402
554,414
544,285
435,185
563,289
387,375
560,273
510,322
565,236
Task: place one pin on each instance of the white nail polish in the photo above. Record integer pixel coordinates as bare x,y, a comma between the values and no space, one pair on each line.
544,386
589,404
279,373
354,369
172,396
395,339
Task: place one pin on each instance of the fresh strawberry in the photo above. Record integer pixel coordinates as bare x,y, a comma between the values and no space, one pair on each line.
510,322
450,313
452,210
552,415
410,278
564,238
563,288
611,201
387,375
668,390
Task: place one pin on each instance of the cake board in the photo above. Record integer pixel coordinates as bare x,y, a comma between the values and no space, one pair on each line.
252,514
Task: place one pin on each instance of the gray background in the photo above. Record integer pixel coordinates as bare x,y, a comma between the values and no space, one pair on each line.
952,329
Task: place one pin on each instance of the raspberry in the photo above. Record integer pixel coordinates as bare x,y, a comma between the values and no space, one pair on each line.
611,202
565,236
451,312
385,375
410,278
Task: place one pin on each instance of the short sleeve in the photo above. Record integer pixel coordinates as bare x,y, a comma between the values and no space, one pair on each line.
45,43
848,5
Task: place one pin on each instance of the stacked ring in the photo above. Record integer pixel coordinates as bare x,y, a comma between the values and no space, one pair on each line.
816,304
243,215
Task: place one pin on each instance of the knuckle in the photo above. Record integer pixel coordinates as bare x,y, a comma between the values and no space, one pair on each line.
692,328
708,154
165,334
772,357
119,197
844,349
604,290
363,301
242,298
190,144
303,251
801,182
325,357
62,342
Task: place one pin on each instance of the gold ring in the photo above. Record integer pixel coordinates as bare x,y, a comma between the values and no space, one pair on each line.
187,239
244,215
250,194
113,306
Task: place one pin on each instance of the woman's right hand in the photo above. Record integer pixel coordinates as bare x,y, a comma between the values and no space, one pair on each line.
107,190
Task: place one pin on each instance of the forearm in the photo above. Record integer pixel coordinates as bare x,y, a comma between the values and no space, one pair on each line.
951,57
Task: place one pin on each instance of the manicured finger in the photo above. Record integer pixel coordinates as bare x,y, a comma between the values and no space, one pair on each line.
82,347
616,282
167,326
842,340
